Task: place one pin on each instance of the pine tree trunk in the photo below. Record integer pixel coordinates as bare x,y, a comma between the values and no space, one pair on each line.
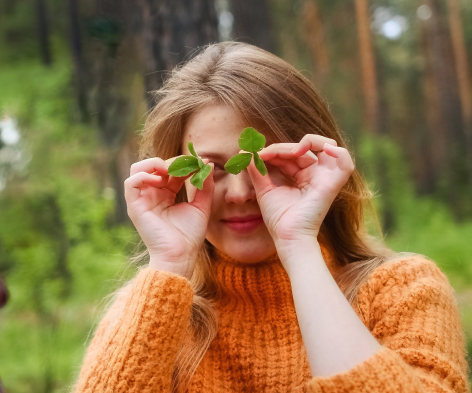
253,23
462,71
450,142
81,79
369,77
43,32
315,37
434,154
172,29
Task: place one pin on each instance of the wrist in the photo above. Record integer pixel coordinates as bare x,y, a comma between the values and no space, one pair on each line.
183,269
300,255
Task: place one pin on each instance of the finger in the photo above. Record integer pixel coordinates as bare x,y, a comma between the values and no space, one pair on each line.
345,165
203,198
175,183
282,148
289,167
150,165
309,158
326,160
343,158
262,184
312,142
135,183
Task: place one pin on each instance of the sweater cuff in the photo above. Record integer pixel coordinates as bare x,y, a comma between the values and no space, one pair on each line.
385,371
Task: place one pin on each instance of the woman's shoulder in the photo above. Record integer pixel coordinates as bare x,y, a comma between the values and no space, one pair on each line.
404,284
404,269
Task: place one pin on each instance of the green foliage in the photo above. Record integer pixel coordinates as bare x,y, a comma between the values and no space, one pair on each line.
198,178
259,164
421,223
185,165
251,141
238,163
59,254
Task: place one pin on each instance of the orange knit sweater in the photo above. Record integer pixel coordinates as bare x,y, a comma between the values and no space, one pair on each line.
408,305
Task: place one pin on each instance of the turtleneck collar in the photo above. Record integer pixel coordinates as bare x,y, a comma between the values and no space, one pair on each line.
264,285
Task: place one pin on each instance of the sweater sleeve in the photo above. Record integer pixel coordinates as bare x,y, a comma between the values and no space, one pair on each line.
410,308
136,344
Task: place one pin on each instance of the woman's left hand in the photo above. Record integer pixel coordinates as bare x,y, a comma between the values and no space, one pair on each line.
293,214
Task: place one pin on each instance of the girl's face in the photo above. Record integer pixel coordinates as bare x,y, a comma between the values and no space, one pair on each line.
214,131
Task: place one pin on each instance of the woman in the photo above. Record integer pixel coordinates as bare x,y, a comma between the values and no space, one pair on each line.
266,283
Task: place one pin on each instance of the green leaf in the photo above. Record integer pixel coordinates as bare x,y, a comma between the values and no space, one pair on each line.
238,162
260,165
251,140
201,164
183,166
192,150
198,178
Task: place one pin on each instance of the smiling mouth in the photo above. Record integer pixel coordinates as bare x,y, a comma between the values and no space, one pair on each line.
244,226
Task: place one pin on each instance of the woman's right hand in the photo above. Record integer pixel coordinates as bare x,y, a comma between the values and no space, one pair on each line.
173,233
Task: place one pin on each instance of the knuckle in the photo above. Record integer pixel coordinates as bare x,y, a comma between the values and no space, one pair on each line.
307,137
133,169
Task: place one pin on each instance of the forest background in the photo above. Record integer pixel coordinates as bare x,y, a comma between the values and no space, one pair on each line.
75,83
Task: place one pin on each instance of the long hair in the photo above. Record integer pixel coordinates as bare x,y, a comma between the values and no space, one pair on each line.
275,98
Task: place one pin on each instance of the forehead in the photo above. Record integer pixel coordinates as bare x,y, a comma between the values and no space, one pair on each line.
214,129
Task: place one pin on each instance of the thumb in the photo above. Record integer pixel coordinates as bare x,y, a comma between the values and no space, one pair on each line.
262,183
203,198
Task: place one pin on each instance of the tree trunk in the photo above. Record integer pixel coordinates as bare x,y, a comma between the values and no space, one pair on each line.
449,143
172,29
315,37
81,79
43,32
435,152
369,77
462,71
253,23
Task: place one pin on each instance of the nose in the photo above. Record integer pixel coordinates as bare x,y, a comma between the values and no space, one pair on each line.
239,189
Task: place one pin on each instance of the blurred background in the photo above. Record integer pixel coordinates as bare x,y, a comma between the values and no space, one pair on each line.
75,78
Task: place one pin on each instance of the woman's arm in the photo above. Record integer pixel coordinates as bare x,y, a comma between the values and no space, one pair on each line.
136,344
413,341
335,338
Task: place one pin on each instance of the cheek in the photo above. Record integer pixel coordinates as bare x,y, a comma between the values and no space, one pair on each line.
217,201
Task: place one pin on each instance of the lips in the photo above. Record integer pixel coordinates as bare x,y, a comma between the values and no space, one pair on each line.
251,217
243,225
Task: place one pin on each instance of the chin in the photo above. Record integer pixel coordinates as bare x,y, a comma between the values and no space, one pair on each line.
248,252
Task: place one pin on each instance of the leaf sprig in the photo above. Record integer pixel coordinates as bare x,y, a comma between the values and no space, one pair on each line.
185,165
251,141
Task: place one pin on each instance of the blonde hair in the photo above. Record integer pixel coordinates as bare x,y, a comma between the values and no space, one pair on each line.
278,100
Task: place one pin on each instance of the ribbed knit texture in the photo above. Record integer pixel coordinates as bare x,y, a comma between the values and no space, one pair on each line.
408,305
